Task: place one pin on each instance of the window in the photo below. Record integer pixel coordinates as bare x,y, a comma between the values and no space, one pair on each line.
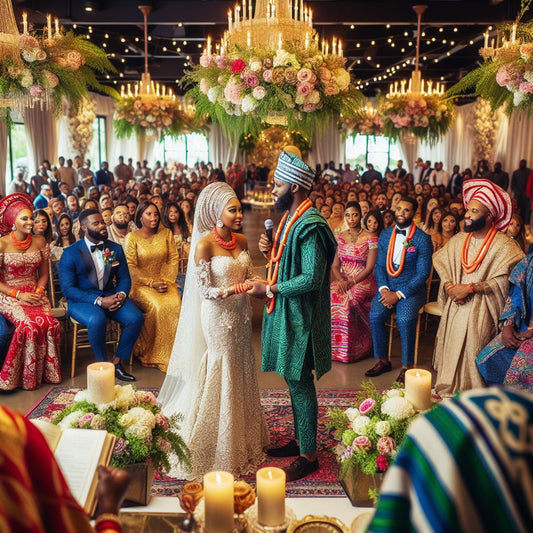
17,153
364,149
97,150
188,149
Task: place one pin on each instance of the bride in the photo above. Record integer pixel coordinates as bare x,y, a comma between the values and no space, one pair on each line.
211,378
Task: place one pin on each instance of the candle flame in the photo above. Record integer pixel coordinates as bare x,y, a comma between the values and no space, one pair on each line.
218,479
418,374
270,476
101,367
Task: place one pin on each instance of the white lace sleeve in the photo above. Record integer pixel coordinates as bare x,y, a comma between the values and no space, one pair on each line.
203,275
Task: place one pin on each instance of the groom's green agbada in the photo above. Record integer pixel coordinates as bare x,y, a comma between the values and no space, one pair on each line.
302,314
296,336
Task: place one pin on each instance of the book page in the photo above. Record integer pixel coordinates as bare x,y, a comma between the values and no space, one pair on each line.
78,454
51,432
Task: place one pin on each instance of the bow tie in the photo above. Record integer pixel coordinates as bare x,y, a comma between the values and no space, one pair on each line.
94,247
401,231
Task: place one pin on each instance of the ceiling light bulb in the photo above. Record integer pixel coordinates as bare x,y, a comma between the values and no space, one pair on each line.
352,27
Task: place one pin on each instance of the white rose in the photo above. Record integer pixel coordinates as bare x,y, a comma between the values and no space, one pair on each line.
394,392
256,65
71,421
383,428
360,425
213,94
398,408
352,413
314,97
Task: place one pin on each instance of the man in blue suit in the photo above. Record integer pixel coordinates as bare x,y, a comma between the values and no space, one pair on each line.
402,268
95,279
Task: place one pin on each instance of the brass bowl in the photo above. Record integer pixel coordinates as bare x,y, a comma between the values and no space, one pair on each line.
318,524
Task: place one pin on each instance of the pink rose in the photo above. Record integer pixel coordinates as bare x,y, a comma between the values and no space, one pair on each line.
259,92
331,88
251,80
40,55
85,420
27,41
506,74
161,420
324,74
304,89
361,444
386,445
149,397
526,87
206,61
309,108
238,66
221,61
305,74
382,463
267,75
411,249
35,91
367,406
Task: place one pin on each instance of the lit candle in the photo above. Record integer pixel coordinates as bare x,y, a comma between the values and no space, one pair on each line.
273,10
430,84
296,10
25,22
279,41
209,45
339,48
56,21
290,9
270,496
402,83
327,49
334,46
101,382
49,25
250,10
237,14
486,42
122,91
229,20
248,39
395,87
243,9
306,41
418,388
513,36
218,498
301,9
310,17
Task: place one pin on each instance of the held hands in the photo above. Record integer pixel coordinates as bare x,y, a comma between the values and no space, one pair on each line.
258,289
388,298
512,338
160,286
264,244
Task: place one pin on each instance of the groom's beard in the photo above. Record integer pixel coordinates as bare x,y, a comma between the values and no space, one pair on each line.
97,235
475,225
284,202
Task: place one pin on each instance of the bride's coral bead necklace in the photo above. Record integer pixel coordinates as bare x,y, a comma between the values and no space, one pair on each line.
227,245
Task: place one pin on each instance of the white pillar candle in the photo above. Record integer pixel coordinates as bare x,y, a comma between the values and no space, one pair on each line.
418,388
100,382
218,497
25,22
49,25
270,496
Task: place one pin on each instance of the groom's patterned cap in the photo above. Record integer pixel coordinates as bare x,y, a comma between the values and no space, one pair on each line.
293,170
494,198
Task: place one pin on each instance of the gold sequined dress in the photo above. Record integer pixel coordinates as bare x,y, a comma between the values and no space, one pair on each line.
154,259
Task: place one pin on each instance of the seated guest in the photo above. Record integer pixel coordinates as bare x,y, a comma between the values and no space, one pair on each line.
42,199
388,218
57,205
42,225
447,228
352,289
107,213
36,497
517,231
373,223
94,277
508,358
464,466
153,262
65,237
336,219
73,206
33,354
174,220
120,225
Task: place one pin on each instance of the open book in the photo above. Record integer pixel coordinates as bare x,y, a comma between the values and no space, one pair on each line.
79,452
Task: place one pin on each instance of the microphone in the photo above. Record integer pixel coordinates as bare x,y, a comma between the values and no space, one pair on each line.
269,226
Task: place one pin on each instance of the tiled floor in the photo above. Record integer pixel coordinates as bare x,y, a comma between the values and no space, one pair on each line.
341,375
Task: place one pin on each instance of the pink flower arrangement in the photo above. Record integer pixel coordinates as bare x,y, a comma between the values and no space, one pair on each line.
361,444
367,406
382,463
386,445
238,66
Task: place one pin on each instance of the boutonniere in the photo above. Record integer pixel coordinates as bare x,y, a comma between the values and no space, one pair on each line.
409,245
109,256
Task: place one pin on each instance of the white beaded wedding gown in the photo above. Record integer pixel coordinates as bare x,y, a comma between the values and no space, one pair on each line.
223,424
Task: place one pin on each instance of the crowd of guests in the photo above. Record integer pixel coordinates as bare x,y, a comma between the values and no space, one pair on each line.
149,213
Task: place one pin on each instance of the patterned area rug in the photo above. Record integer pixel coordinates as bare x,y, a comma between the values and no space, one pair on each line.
277,407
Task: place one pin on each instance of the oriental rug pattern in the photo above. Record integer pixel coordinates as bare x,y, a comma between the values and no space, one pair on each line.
277,407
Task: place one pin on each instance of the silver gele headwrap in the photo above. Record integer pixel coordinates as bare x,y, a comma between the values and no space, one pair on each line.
211,203
293,170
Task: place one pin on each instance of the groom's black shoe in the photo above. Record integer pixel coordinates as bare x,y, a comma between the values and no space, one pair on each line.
287,450
121,374
300,468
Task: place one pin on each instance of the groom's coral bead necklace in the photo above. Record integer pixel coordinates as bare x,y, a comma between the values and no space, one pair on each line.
485,245
390,253
279,246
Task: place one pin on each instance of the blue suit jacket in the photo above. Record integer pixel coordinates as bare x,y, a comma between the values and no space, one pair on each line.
77,274
416,268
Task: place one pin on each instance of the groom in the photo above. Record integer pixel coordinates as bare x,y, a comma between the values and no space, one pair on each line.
296,335
95,279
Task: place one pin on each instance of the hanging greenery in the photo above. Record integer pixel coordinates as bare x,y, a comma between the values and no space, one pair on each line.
80,126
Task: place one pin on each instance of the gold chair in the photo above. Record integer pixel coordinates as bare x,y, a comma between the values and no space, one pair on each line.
59,309
80,339
183,252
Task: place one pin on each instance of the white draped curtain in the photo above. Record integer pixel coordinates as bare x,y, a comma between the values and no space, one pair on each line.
41,137
327,146
221,149
3,157
514,140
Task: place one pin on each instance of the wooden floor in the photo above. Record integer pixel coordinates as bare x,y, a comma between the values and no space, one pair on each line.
341,375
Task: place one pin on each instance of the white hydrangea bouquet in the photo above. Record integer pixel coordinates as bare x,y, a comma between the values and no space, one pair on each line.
144,433
371,430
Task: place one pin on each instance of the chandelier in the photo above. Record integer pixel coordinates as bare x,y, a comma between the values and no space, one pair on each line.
416,108
269,68
365,121
146,107
38,68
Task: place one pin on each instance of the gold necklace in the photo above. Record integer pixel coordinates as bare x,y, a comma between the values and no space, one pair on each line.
354,238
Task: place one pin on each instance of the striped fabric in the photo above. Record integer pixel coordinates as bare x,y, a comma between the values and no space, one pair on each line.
466,466
494,198
293,170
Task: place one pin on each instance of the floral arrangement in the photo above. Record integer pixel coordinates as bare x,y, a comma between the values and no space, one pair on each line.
428,117
153,115
109,256
80,125
295,87
50,69
485,127
505,78
144,433
364,122
370,431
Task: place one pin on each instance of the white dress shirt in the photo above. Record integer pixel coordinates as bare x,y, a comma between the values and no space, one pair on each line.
98,260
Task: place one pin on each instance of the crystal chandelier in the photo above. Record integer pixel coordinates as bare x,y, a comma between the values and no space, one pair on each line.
146,88
416,84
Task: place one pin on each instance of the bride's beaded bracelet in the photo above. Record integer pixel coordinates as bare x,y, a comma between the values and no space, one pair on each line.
39,291
14,293
240,288
108,522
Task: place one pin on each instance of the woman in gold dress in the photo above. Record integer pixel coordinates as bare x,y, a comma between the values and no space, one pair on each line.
153,263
